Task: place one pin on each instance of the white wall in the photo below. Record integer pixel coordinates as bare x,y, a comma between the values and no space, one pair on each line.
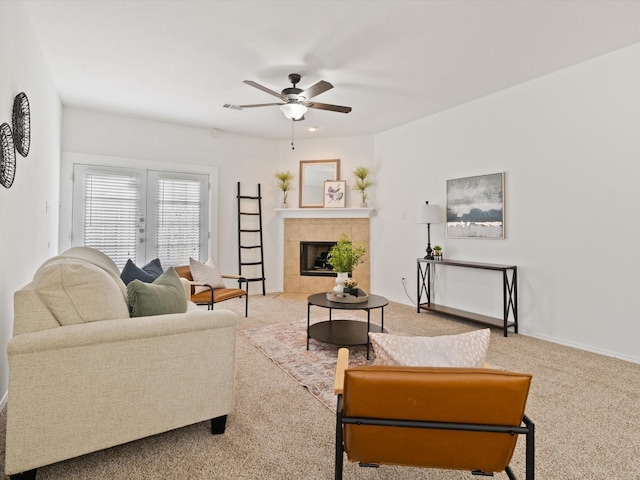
119,140
97,137
26,239
351,151
568,144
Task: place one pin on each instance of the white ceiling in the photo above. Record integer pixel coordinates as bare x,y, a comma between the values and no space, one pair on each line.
391,61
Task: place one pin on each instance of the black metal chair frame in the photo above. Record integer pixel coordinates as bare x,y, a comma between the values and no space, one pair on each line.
528,430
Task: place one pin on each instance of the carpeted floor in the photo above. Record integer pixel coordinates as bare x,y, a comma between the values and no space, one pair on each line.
585,407
286,345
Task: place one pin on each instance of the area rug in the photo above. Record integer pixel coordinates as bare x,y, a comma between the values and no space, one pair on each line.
286,345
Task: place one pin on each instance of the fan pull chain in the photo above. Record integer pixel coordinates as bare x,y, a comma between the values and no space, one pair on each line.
292,146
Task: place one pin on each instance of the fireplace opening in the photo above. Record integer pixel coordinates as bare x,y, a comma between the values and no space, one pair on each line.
313,259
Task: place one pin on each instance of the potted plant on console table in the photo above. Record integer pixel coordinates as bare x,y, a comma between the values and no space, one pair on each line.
344,257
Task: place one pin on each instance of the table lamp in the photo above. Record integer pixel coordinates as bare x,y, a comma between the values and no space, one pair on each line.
429,214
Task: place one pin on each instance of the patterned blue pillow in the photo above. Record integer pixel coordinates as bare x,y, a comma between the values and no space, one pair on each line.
147,274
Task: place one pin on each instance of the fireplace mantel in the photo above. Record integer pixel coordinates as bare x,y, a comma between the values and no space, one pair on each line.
325,212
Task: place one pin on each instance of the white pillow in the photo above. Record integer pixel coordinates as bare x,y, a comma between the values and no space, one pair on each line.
467,350
207,273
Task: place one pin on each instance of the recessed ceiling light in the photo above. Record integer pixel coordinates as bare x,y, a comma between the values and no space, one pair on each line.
313,129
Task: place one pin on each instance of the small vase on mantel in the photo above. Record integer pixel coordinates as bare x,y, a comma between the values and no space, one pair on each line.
340,279
284,205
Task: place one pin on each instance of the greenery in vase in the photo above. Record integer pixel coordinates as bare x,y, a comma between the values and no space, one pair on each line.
344,256
285,183
437,248
362,181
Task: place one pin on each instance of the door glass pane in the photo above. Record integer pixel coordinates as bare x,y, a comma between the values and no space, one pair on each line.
111,215
179,220
141,214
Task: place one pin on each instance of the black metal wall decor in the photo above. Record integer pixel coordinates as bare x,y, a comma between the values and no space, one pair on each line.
21,124
7,156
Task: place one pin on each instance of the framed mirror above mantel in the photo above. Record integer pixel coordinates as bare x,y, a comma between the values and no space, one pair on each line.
313,174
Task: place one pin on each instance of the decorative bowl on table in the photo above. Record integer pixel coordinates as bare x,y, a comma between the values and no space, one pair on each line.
353,295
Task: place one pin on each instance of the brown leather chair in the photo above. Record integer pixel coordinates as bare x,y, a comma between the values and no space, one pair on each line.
447,418
212,296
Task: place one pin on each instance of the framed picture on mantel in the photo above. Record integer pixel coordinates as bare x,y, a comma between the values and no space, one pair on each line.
335,193
475,207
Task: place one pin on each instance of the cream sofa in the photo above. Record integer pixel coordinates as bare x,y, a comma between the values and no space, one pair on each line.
84,376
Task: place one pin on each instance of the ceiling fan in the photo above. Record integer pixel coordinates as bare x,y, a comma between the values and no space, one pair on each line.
294,100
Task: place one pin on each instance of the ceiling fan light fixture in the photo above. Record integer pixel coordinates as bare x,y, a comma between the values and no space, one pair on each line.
293,111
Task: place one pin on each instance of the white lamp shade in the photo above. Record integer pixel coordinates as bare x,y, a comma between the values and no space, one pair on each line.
293,111
428,214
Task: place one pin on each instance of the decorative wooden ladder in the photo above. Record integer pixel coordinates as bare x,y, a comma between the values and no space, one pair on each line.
250,238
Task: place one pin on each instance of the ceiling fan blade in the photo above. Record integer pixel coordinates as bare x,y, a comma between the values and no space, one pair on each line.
326,106
316,89
264,89
260,105
240,107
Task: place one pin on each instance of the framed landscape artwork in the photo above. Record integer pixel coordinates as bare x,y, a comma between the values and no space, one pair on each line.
335,193
475,207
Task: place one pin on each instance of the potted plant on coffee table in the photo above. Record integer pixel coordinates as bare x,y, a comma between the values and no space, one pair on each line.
344,257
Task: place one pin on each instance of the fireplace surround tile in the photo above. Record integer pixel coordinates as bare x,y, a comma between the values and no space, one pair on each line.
321,230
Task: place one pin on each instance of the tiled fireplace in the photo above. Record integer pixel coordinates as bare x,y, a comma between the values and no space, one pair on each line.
321,230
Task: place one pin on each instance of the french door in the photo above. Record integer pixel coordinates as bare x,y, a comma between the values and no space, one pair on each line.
141,214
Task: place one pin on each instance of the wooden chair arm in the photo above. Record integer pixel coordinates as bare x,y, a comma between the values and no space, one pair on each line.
341,366
205,284
235,277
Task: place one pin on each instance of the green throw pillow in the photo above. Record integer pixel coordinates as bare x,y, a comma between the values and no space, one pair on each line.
164,295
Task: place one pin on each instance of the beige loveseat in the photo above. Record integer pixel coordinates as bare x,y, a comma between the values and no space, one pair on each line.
84,376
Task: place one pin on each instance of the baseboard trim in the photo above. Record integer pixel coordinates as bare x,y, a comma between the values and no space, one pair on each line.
578,346
526,332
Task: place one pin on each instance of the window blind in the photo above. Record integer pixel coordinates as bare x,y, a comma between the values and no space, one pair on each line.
179,217
111,214
141,214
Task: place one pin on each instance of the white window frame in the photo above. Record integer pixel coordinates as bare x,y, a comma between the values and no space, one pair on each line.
147,246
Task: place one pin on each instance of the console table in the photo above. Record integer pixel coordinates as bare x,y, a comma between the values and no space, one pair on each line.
509,293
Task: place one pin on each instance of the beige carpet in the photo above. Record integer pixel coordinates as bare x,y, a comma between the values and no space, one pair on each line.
585,407
286,345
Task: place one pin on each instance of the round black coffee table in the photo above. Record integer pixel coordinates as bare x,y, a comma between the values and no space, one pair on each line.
344,332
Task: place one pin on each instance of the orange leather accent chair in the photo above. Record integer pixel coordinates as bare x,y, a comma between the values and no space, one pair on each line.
446,418
215,295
